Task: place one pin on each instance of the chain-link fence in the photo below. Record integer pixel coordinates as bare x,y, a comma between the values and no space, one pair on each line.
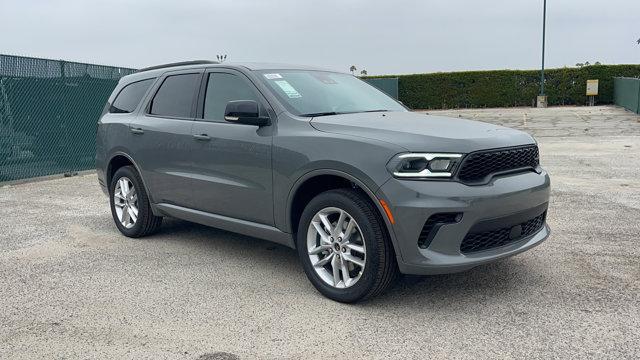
48,114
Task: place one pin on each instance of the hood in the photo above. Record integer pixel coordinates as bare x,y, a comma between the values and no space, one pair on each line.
423,133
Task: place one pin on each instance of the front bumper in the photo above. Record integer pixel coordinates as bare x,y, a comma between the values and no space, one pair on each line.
413,202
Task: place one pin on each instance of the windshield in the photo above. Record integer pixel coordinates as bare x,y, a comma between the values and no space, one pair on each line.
318,93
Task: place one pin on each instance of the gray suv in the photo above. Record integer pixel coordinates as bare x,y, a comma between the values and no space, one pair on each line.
323,163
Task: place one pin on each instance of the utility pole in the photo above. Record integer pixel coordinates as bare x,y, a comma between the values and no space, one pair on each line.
542,98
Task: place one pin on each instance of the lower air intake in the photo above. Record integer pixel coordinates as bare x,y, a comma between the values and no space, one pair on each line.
433,224
486,240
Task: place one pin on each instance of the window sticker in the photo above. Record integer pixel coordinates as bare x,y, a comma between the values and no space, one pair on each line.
288,89
273,76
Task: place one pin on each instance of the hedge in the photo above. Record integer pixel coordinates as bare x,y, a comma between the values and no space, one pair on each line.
504,88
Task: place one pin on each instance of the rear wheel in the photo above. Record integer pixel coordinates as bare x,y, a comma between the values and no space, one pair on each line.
130,205
344,248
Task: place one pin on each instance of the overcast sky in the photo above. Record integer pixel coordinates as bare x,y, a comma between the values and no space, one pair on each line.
383,37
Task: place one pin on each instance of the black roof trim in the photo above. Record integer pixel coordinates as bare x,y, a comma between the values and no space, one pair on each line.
182,63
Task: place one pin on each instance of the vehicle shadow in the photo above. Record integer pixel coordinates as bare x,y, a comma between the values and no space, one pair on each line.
499,280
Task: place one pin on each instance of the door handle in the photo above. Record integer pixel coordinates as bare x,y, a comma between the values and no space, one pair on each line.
136,131
202,137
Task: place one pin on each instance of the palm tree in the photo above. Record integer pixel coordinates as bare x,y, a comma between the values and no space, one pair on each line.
363,72
352,69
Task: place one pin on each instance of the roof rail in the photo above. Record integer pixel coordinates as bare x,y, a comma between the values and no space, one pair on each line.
182,63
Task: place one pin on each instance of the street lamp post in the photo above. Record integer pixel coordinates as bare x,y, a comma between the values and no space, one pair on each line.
542,98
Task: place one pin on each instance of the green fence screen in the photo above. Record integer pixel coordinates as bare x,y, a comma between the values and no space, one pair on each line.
627,93
48,114
387,85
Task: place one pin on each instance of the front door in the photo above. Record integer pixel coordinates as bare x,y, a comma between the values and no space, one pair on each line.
232,161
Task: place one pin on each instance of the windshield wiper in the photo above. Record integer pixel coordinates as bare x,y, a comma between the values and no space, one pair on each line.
379,110
326,113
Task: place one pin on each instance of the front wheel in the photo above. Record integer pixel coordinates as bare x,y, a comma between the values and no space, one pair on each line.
344,248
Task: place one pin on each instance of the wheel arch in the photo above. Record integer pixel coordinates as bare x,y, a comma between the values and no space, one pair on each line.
299,196
118,160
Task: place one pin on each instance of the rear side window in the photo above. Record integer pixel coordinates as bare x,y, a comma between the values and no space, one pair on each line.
130,96
175,96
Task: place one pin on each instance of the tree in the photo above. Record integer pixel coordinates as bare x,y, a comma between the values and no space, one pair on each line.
638,41
586,63
363,72
353,69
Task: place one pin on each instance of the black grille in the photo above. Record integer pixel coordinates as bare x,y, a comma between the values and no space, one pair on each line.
499,237
477,166
432,225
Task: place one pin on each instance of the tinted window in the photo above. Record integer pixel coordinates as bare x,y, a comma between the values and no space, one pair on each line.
130,96
222,88
175,96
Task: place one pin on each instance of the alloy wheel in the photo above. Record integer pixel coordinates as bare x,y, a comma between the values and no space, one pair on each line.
125,200
336,247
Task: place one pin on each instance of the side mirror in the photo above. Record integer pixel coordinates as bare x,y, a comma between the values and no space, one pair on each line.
244,112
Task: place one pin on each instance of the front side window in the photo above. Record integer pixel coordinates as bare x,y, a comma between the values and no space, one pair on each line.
175,96
222,88
129,97
315,93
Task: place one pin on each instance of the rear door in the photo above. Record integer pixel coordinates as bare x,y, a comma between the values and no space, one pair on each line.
233,161
161,137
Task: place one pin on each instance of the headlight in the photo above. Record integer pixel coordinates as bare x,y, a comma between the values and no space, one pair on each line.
424,165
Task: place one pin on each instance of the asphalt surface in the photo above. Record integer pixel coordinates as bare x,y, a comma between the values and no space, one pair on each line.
72,287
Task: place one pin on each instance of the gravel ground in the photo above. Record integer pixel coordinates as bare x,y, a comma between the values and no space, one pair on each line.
72,287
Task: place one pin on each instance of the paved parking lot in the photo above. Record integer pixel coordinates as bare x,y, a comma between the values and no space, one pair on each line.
72,287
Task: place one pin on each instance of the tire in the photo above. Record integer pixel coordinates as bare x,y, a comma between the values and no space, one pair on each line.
145,222
380,268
